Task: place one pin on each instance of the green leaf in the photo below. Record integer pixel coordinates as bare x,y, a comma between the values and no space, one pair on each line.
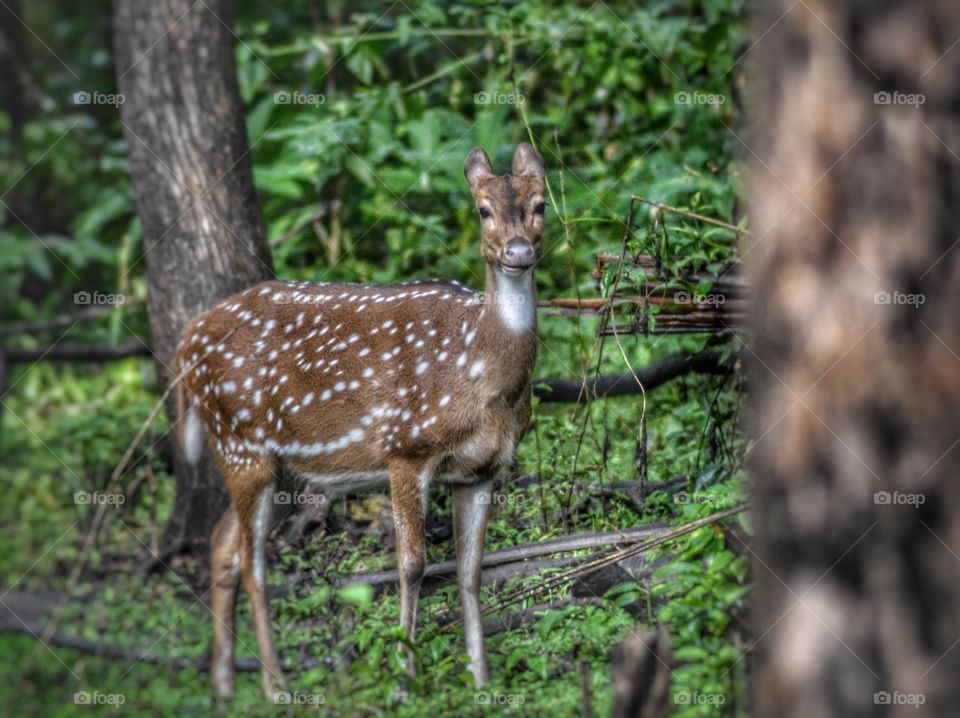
357,594
691,653
259,117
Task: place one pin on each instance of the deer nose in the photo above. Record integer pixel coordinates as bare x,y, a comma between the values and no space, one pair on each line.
518,254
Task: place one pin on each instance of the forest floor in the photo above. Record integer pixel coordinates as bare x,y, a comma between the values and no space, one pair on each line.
548,654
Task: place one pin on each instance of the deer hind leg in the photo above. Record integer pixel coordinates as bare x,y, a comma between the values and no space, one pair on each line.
225,569
409,484
252,493
471,511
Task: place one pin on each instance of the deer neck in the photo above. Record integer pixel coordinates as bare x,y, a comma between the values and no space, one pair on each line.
511,303
509,326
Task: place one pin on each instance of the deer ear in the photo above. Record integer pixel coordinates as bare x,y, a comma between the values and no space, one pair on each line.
477,167
527,161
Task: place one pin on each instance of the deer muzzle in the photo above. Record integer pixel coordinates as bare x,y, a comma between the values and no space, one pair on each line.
517,256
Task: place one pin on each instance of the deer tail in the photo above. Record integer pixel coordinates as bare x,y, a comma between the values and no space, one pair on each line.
192,431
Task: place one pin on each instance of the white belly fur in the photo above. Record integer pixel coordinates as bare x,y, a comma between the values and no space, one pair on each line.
349,483
475,452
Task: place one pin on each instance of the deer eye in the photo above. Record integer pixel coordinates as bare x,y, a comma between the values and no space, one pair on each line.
484,212
540,208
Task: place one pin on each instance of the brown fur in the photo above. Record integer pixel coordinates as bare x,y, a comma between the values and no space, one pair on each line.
338,382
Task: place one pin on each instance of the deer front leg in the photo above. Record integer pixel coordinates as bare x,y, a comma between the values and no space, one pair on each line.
471,510
409,484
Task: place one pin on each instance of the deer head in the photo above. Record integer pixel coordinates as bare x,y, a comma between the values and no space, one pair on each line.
511,208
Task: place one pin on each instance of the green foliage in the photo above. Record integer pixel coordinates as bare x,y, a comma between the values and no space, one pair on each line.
367,185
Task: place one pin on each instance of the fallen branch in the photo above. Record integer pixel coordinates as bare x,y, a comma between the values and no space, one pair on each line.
569,391
708,323
65,320
516,554
597,563
115,653
60,352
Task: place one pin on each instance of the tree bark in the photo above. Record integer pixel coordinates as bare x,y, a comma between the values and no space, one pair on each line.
853,360
203,232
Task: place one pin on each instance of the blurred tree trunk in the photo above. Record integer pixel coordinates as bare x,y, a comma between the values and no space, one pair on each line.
16,74
203,233
855,358
19,96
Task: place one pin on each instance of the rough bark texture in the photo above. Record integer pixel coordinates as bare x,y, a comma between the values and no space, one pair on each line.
858,599
203,233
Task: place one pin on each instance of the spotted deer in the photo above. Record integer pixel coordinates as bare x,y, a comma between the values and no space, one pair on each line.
355,386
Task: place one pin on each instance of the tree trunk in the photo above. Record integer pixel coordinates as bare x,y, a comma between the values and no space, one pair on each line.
203,233
855,358
15,77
